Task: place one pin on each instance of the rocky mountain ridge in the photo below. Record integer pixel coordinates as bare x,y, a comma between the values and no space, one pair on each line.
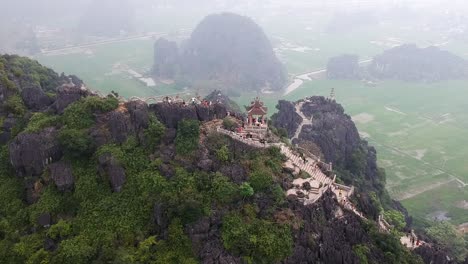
97,180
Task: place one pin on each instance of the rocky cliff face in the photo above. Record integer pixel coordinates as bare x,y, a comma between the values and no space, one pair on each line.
31,152
171,114
62,175
66,95
287,117
337,139
325,234
434,255
332,130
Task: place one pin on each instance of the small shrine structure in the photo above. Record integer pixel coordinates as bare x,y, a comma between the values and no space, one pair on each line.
256,117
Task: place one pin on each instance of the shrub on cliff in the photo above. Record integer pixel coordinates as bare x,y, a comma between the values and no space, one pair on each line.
188,133
256,240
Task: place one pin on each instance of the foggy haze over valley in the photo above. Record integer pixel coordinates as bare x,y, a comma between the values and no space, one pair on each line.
234,131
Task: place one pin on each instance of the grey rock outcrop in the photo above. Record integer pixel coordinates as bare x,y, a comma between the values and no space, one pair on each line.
324,238
139,117
44,220
110,168
433,255
31,152
35,99
61,174
235,172
160,217
332,130
139,114
120,126
287,117
8,124
117,126
171,114
68,94
5,92
206,241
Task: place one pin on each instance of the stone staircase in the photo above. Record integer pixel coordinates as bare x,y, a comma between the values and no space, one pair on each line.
384,225
305,121
310,166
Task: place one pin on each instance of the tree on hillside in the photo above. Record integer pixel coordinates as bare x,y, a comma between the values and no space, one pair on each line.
446,234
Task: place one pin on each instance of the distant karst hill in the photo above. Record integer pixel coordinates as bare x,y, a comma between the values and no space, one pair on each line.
343,67
227,49
411,63
405,63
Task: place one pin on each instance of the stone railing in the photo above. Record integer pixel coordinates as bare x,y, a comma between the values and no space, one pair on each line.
260,128
383,224
309,167
349,190
326,166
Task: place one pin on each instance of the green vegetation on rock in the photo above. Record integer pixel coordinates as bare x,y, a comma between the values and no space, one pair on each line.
188,133
79,115
14,104
446,234
256,240
132,191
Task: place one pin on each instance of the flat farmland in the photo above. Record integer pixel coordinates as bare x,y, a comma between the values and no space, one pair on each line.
105,67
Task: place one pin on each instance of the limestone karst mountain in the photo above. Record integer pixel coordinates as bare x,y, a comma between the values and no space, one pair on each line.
228,49
97,179
343,67
405,63
411,63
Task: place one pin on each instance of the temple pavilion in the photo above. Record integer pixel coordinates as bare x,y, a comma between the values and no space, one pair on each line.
256,117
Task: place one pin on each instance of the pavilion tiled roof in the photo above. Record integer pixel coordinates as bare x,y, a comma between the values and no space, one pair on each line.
257,108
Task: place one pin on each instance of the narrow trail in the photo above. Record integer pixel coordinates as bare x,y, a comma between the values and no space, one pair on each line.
305,121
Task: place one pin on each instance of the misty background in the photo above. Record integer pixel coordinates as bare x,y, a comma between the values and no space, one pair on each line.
31,26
